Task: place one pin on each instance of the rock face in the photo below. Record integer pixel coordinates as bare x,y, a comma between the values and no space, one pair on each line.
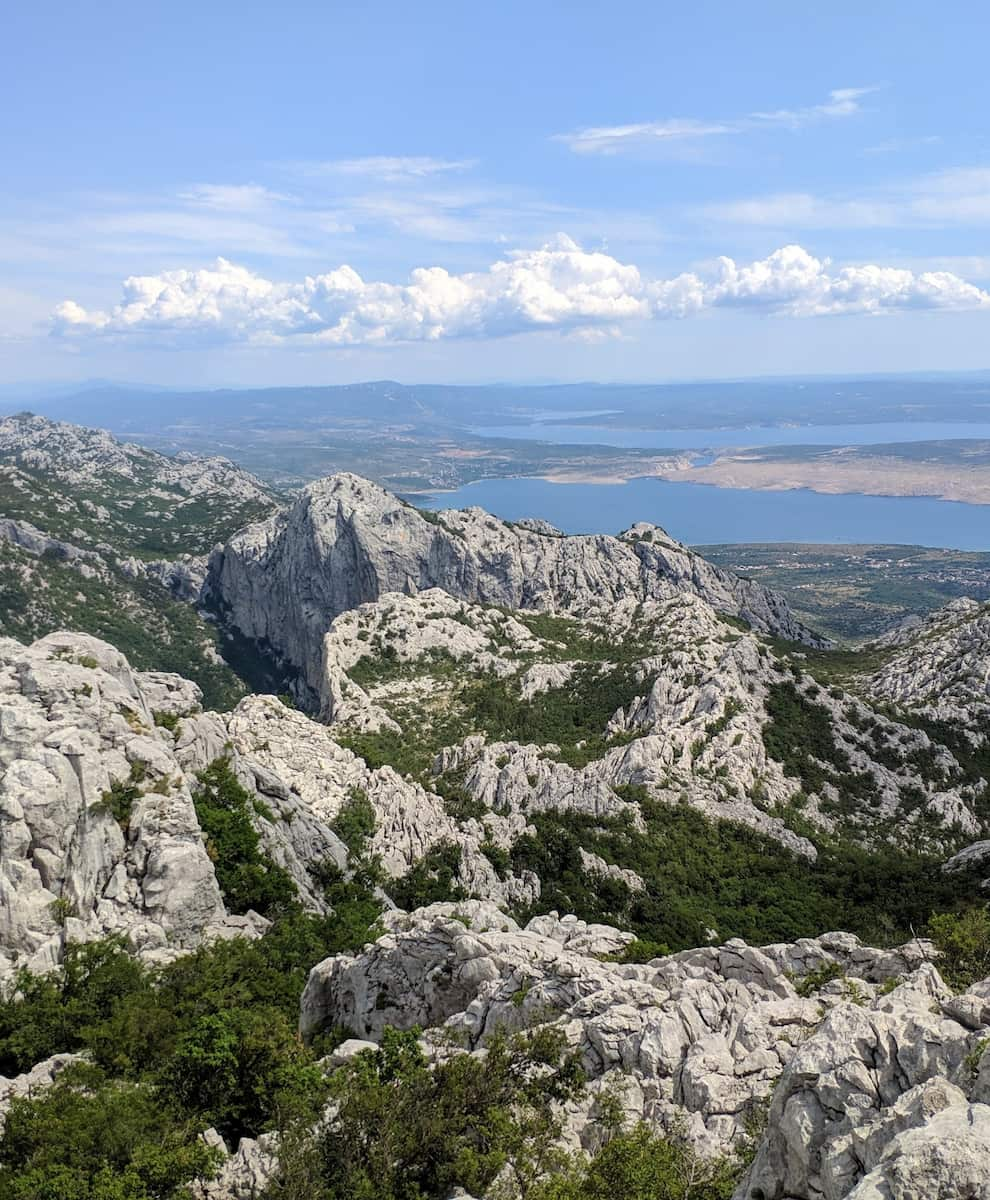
346,541
879,1078
940,665
75,720
883,1101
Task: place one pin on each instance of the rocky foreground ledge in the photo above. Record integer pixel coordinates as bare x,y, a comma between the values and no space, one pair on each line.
869,1077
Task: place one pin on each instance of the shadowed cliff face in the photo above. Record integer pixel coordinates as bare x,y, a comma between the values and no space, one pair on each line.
346,541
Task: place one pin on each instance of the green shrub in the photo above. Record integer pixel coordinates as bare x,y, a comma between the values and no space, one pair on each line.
41,1015
354,824
402,1130
88,1138
122,795
701,875
431,879
241,1070
963,942
820,977
247,877
641,1164
498,857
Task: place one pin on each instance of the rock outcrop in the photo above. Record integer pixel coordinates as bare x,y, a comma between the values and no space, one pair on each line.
346,541
939,665
77,724
877,1078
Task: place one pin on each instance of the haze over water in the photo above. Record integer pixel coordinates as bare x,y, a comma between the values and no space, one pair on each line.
878,433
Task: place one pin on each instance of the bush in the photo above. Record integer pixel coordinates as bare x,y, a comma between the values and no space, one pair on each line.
123,794
242,1070
87,1138
963,941
355,822
403,1130
247,877
431,879
820,977
643,1165
701,875
41,1015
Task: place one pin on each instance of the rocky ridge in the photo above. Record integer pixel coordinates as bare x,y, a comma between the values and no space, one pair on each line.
93,459
694,697
345,541
105,537
84,487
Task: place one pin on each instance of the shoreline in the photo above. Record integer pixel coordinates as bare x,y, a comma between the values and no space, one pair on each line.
977,496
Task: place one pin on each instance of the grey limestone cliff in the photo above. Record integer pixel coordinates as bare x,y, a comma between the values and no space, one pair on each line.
346,541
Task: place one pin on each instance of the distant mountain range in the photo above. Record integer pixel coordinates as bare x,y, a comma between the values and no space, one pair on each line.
131,408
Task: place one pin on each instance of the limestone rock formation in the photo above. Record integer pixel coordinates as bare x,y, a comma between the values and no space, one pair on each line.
940,665
694,696
77,725
346,541
877,1085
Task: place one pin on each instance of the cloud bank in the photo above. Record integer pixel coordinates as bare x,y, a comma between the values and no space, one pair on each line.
559,287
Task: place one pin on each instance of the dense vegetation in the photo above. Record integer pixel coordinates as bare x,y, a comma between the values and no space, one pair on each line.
247,877
155,632
404,1131
141,514
702,875
209,1040
573,717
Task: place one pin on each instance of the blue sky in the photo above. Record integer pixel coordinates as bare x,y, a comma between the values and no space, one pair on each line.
220,193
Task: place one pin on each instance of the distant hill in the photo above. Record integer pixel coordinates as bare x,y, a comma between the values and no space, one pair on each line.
128,409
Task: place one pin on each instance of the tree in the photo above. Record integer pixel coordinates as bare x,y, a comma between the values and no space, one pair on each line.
242,1071
403,1130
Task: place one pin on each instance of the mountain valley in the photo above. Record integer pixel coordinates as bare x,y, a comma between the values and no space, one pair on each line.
321,814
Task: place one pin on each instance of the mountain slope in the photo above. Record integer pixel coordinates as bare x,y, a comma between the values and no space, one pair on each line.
85,486
109,538
559,790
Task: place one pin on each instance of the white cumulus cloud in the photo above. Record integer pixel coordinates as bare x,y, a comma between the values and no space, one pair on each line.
559,286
